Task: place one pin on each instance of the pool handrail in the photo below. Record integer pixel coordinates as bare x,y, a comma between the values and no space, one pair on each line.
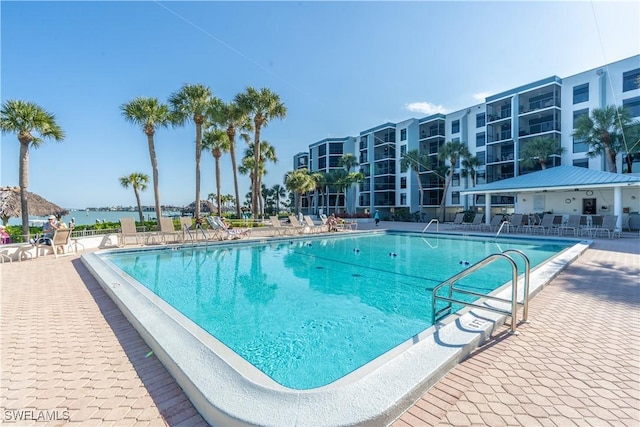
436,314
434,220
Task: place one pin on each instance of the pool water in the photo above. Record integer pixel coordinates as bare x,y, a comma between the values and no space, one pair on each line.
308,312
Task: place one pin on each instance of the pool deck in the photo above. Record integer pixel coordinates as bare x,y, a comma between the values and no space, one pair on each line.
68,355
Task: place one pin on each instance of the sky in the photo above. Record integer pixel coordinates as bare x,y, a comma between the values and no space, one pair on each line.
338,67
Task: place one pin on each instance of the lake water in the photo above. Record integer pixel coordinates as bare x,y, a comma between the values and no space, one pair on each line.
83,217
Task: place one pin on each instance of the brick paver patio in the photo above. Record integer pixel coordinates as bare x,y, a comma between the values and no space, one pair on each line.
69,356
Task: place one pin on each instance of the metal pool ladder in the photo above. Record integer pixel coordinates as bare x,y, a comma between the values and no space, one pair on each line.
513,312
433,221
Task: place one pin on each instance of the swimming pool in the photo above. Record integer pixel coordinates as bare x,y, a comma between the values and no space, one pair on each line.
311,314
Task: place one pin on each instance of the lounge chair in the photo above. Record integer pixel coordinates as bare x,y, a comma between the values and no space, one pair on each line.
60,242
168,230
226,233
573,223
477,220
128,229
458,220
517,222
280,229
494,225
609,224
547,224
296,225
313,227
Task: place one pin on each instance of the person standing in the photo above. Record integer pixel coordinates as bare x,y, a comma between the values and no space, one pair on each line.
376,217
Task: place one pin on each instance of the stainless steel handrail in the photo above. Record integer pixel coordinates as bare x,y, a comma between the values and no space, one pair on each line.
431,222
435,314
527,271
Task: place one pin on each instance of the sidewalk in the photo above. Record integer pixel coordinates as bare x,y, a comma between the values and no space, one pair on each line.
69,354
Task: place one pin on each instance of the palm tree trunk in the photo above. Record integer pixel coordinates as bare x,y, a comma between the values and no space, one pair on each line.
231,133
198,156
137,193
256,170
154,168
443,202
24,183
218,190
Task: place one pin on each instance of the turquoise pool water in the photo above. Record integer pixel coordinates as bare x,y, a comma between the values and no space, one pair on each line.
307,312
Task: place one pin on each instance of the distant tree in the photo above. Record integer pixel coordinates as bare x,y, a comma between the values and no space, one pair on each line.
33,125
262,105
279,192
452,151
193,102
233,118
149,114
299,182
538,150
470,164
605,130
322,180
216,141
247,165
138,181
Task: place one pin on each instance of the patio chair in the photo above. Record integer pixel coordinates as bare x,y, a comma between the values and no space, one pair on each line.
573,223
517,222
546,224
60,242
494,225
297,226
609,223
477,220
128,229
458,220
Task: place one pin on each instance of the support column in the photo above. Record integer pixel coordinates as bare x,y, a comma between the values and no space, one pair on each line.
487,208
617,206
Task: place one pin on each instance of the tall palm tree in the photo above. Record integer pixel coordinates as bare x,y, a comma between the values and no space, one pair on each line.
417,162
470,164
538,150
138,181
247,165
348,161
33,125
299,182
606,130
193,102
262,105
216,141
149,114
279,192
452,151
231,117
322,180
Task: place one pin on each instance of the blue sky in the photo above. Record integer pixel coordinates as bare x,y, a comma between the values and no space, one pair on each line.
339,67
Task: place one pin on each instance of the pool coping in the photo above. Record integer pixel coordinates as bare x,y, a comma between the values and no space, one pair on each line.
231,393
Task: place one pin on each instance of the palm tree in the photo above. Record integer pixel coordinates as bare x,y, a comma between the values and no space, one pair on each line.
263,105
322,180
348,161
248,165
279,192
416,161
452,151
216,141
231,117
605,131
33,125
149,114
470,164
138,181
193,101
299,182
538,150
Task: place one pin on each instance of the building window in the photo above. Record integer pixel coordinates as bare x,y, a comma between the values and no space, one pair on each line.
632,105
455,126
455,180
480,155
631,163
322,163
630,80
581,93
481,139
403,199
581,163
403,134
322,150
481,178
481,119
455,197
579,145
403,150
403,182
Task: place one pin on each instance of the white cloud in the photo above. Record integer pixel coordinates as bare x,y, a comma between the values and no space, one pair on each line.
481,96
425,108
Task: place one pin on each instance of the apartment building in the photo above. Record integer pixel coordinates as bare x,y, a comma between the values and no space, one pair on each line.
495,131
